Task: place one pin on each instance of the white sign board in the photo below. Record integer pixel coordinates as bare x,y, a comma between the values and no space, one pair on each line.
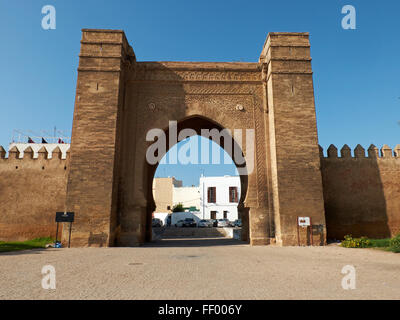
304,221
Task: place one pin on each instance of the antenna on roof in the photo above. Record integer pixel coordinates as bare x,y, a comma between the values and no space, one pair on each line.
29,136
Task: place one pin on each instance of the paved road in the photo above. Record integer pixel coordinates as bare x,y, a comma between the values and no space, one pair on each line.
200,269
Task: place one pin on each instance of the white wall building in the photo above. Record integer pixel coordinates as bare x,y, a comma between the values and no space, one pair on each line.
176,216
188,196
219,197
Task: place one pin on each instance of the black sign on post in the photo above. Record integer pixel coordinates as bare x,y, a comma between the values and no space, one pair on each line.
65,217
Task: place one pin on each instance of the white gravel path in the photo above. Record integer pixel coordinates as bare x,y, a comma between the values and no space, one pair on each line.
200,269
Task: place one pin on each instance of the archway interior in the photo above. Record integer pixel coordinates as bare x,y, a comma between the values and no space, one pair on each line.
191,172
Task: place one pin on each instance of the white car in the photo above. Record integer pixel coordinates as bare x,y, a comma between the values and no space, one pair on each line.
205,224
179,223
224,223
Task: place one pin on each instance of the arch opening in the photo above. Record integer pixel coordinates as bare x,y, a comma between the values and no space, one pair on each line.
224,165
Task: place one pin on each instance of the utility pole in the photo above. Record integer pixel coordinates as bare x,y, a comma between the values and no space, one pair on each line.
204,204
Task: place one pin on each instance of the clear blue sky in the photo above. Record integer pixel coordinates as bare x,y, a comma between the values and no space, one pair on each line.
356,72
190,173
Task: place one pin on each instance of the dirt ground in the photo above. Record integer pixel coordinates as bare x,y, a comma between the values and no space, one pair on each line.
200,269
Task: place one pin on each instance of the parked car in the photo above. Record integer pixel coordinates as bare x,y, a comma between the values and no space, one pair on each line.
237,223
156,223
214,222
189,222
223,223
205,223
179,223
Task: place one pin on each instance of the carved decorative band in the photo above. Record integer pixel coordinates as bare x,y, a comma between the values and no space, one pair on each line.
202,89
221,91
170,75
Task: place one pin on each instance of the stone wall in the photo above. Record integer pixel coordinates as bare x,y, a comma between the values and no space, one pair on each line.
163,194
118,100
361,193
32,189
95,143
294,161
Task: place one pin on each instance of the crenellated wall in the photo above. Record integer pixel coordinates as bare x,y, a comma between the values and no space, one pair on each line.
361,191
118,100
32,188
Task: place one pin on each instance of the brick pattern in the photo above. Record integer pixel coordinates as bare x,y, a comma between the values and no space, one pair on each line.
109,183
91,183
32,190
361,193
295,164
110,190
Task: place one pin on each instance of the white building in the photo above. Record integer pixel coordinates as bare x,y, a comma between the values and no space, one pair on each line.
188,196
222,195
168,192
219,197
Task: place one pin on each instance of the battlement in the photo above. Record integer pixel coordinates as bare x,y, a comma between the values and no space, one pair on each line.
33,184
359,152
35,151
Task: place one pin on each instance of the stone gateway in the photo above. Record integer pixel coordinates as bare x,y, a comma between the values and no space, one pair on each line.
107,181
119,99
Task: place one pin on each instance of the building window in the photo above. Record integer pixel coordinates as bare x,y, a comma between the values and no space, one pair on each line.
233,194
225,214
211,194
213,215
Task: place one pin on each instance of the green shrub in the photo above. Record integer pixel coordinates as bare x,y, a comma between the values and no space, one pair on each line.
392,244
395,244
380,243
6,246
178,208
350,242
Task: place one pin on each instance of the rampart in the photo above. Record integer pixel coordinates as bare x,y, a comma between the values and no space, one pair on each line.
32,188
361,191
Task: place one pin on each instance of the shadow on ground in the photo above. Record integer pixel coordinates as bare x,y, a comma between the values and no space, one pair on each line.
23,251
195,242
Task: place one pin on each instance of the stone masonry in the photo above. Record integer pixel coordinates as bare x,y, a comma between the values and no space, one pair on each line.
32,189
118,99
107,181
361,192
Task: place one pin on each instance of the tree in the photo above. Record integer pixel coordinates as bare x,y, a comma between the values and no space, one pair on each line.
178,208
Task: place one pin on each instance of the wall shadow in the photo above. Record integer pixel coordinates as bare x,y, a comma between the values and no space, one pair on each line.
25,251
354,198
195,242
